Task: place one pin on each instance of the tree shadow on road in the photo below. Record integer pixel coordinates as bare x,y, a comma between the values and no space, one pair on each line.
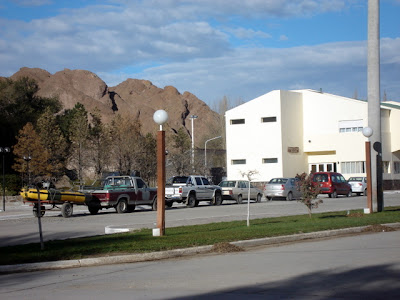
375,282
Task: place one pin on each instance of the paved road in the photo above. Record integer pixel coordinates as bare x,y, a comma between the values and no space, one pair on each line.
357,267
18,226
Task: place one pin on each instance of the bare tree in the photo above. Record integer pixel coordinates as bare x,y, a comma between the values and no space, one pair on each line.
250,176
126,136
99,144
79,133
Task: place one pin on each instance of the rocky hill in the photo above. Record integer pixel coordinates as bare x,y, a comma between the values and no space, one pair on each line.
133,97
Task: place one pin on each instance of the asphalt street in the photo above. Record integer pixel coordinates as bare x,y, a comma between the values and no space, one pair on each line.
355,267
18,226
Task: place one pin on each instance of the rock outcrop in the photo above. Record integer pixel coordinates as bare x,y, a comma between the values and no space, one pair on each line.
133,97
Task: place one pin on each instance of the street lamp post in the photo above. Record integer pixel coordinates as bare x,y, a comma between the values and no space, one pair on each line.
193,117
367,132
160,117
205,150
374,104
3,151
28,158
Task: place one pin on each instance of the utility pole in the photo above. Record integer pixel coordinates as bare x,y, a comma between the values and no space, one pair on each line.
193,117
374,107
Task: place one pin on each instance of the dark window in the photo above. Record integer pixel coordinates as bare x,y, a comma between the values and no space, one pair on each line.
238,161
237,121
198,181
140,183
180,179
278,180
320,178
205,181
268,119
270,160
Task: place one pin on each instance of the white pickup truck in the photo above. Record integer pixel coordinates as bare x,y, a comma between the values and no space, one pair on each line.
191,190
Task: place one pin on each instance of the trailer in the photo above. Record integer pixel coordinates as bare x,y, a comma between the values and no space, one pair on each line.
56,199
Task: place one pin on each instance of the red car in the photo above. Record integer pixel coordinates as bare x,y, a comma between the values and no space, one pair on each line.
332,183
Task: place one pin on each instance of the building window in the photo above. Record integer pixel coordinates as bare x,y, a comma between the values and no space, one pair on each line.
396,166
270,160
350,126
352,167
238,161
237,121
268,119
386,167
350,129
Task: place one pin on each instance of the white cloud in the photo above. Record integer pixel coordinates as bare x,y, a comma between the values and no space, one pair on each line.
245,33
283,38
187,43
339,68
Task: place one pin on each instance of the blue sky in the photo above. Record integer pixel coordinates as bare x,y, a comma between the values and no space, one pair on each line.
211,48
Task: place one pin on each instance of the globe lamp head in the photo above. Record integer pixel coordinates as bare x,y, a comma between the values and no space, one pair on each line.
367,132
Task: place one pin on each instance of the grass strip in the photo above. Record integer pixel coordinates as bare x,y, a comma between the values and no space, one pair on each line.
190,236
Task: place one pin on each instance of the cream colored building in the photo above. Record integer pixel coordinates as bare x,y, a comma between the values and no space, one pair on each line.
283,133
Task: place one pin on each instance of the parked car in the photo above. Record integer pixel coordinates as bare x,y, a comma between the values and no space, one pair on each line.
358,185
282,188
332,183
238,190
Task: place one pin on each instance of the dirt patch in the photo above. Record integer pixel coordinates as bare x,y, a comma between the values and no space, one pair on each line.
356,215
378,228
225,248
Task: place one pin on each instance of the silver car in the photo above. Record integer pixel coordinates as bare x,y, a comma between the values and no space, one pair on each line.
238,190
286,188
358,185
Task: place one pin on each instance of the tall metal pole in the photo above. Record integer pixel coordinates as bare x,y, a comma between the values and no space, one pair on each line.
4,187
192,117
205,150
374,111
369,183
3,151
161,181
160,117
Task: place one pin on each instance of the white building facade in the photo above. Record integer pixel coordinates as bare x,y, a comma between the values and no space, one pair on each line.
284,133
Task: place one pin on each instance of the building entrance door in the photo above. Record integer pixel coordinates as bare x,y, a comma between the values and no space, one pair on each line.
322,167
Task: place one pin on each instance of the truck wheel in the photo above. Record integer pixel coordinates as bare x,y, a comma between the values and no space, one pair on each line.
218,199
66,210
289,196
169,203
93,210
239,199
191,202
258,200
154,205
122,207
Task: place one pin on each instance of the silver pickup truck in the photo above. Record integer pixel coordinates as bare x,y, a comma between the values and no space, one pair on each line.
191,190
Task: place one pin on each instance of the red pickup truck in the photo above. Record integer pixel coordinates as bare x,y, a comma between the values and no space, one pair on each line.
123,193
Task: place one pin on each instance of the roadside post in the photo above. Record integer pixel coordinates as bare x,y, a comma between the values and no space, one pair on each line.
367,132
4,150
160,117
39,216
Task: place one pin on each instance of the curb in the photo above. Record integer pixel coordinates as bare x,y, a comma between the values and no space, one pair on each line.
141,257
